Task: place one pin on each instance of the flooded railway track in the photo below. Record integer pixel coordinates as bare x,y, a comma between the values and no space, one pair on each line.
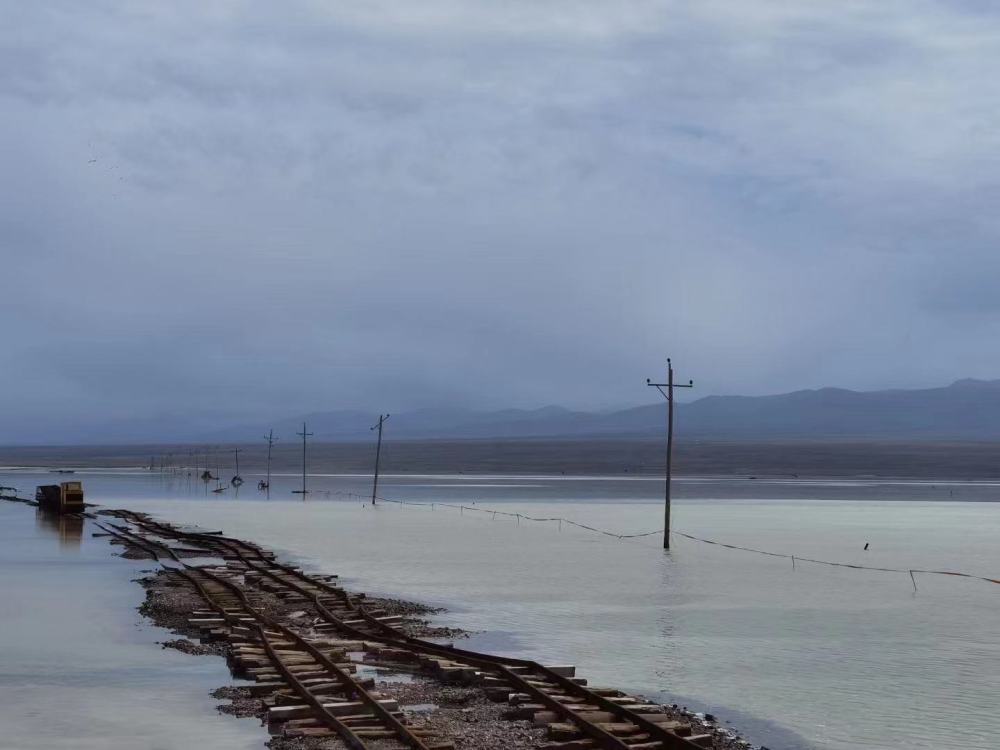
311,682
311,694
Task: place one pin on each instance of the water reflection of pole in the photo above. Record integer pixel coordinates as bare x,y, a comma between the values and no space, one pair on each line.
669,395
304,435
378,452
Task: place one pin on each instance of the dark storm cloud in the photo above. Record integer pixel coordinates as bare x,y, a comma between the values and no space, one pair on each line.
254,209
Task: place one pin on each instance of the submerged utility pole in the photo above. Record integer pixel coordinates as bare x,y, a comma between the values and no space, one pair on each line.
378,452
270,443
669,395
304,435
237,480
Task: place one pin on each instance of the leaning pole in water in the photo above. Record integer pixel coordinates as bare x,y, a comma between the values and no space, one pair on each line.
378,452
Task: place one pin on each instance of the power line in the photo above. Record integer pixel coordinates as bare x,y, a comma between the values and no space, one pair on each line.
794,558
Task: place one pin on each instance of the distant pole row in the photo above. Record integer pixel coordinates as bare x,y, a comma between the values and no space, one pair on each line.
666,389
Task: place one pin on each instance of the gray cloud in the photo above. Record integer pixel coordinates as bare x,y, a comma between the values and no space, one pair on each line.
257,209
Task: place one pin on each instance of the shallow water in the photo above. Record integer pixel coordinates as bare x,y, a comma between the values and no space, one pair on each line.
810,657
79,667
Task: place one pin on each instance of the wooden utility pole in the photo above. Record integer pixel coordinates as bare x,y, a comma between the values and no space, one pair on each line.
669,395
270,443
304,435
378,452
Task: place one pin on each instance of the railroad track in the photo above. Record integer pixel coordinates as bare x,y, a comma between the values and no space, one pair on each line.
317,677
578,717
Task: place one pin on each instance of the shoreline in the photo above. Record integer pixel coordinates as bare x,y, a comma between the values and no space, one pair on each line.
845,459
257,471
461,709
461,486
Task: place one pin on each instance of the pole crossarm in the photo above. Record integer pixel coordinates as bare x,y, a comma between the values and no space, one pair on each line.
661,386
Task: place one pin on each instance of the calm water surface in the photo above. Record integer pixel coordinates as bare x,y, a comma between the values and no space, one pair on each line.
79,667
811,657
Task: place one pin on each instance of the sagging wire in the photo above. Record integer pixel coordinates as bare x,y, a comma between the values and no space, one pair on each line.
560,520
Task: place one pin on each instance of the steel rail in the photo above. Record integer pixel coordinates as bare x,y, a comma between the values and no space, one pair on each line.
392,636
346,733
489,662
400,729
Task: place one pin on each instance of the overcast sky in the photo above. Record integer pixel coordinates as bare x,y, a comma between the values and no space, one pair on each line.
265,208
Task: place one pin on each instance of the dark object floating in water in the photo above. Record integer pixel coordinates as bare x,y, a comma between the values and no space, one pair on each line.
866,545
64,471
219,489
262,485
206,476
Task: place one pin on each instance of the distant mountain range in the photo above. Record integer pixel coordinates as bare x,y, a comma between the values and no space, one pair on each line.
964,410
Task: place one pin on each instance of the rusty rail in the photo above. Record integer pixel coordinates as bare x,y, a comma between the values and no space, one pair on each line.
500,665
351,686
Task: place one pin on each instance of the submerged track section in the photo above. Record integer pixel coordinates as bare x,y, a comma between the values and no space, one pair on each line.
307,675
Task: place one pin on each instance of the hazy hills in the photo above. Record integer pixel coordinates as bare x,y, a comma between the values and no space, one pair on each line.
964,410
